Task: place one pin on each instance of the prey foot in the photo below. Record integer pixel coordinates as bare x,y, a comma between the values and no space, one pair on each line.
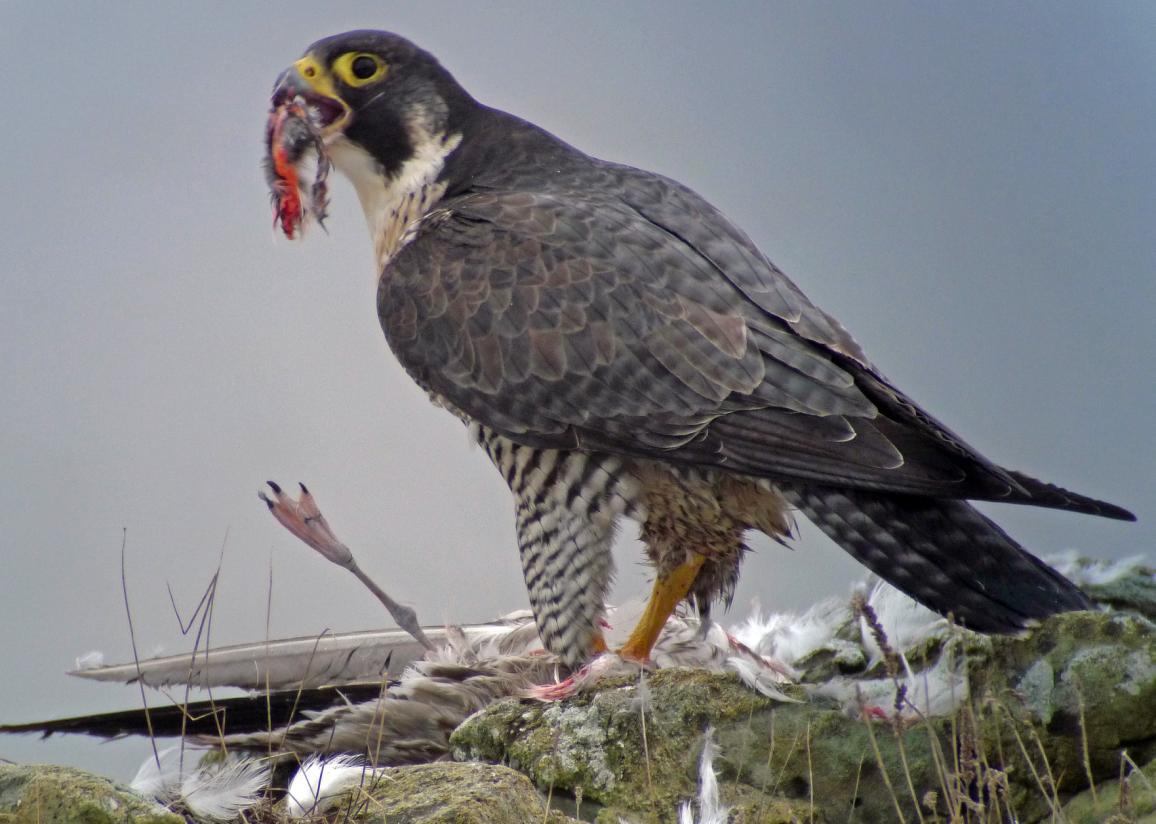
606,665
303,518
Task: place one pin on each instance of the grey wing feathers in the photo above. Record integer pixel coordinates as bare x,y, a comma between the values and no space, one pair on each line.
647,324
683,214
553,319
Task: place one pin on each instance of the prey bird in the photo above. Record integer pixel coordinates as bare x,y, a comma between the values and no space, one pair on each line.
619,349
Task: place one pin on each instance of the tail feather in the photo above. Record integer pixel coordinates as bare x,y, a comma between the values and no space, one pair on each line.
205,718
1042,493
944,554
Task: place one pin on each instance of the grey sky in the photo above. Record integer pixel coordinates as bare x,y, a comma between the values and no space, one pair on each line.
970,188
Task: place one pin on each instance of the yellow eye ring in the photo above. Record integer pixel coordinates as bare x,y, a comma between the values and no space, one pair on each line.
359,68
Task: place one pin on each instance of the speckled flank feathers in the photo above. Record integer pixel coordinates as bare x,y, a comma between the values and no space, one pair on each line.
567,505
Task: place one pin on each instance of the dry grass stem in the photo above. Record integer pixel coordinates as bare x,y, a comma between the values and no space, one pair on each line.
810,777
1049,795
643,693
132,641
855,790
1086,753
879,760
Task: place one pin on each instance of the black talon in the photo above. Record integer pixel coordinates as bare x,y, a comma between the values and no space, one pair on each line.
273,485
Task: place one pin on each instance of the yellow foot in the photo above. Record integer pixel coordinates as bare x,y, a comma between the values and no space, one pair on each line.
668,591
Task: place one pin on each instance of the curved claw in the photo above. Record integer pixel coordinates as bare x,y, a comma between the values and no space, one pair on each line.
303,518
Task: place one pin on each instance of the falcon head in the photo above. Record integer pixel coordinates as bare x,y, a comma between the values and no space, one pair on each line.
382,110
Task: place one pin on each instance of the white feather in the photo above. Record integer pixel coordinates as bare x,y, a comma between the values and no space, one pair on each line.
90,660
759,678
790,638
710,807
907,623
216,791
221,794
321,781
937,691
156,775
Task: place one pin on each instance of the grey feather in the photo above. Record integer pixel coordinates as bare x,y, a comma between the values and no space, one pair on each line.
291,663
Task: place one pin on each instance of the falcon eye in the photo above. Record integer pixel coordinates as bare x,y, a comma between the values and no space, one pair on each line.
363,67
359,68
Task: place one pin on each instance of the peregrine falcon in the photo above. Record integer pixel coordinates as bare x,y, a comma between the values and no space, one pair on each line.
621,350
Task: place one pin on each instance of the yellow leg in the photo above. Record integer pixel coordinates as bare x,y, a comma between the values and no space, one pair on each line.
668,591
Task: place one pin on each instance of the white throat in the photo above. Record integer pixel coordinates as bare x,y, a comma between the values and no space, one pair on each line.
394,207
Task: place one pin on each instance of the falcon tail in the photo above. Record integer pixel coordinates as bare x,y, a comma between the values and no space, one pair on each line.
944,554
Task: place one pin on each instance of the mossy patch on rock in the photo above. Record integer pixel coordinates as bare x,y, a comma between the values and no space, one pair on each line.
1132,799
1084,683
1134,591
44,794
448,793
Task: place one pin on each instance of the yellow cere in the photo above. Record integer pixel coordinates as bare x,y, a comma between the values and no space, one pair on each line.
309,68
316,76
359,68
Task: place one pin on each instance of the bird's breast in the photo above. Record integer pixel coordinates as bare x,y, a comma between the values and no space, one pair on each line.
395,204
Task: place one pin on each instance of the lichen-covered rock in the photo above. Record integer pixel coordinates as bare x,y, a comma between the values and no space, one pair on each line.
1128,585
1080,690
1132,800
630,748
43,794
447,793
1047,713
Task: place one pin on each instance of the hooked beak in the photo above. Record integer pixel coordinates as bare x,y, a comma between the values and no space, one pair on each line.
308,83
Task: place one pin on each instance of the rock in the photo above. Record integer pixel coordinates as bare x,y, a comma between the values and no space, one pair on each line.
599,746
966,728
1080,689
1136,804
442,793
1129,584
447,793
1047,714
42,794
